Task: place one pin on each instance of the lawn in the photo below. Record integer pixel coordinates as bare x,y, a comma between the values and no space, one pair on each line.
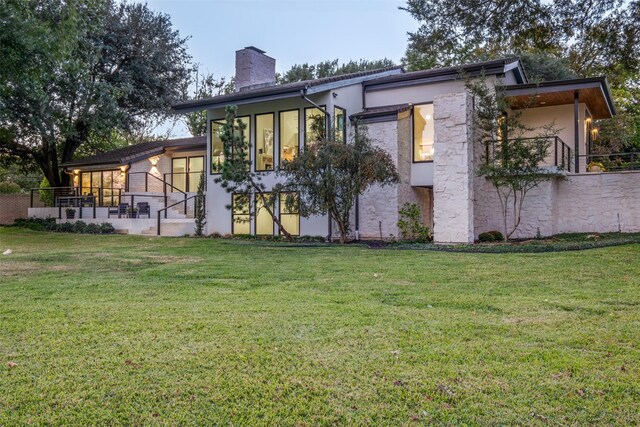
138,331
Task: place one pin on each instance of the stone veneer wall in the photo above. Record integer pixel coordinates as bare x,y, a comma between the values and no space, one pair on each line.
453,181
581,203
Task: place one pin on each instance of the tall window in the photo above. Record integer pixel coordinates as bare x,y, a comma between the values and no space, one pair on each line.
290,216
423,133
264,221
314,126
289,140
241,214
217,148
185,173
340,124
264,142
106,185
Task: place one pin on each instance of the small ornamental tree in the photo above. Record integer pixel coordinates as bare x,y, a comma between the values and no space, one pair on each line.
330,175
236,174
200,209
514,152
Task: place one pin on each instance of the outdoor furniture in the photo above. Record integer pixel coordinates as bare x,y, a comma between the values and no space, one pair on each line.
144,209
119,210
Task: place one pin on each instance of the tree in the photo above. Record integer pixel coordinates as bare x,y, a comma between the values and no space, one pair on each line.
236,174
76,71
200,208
206,86
330,175
330,68
515,151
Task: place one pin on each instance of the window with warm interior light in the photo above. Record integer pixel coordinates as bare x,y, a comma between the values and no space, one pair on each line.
106,185
340,124
289,134
217,148
241,223
314,126
290,216
264,221
264,142
423,133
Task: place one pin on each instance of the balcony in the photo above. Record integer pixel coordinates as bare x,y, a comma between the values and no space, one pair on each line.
558,156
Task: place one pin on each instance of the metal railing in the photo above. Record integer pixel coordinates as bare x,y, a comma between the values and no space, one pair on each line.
165,209
71,196
558,151
188,179
613,162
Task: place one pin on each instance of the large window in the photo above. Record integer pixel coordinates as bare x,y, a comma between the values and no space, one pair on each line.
264,142
423,133
241,222
289,139
264,221
290,215
105,185
340,124
314,126
217,148
185,173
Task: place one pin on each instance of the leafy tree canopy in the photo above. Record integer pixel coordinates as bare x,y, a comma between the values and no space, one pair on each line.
330,68
206,86
78,71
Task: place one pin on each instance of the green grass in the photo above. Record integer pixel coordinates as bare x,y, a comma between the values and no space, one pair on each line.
137,331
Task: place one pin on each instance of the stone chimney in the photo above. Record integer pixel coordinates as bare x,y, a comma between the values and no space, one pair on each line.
254,69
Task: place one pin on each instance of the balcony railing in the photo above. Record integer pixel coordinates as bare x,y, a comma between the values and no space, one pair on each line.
613,162
559,154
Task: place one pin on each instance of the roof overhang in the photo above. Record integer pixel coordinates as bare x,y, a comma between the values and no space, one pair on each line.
275,93
594,92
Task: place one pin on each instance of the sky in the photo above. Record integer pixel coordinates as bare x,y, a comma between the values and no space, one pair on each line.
291,31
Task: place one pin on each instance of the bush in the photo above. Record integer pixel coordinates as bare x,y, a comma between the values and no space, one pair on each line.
486,237
92,229
107,228
8,187
410,224
49,224
498,236
46,196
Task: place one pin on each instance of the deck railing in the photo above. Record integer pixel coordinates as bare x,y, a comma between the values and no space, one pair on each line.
559,154
613,162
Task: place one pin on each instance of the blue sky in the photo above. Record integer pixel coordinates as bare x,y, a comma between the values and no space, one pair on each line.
292,32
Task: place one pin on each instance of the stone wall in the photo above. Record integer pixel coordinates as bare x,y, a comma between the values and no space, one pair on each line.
590,202
13,206
379,205
453,169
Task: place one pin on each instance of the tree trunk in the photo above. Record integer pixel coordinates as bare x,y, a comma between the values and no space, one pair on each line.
267,206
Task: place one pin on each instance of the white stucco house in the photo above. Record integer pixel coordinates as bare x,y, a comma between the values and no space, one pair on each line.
423,119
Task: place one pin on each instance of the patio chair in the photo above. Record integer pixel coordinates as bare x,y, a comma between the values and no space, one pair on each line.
120,210
144,209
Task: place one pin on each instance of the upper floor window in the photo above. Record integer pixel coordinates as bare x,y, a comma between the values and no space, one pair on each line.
264,142
217,147
340,124
423,133
314,126
289,139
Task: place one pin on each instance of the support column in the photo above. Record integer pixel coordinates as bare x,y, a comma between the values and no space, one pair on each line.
453,169
576,129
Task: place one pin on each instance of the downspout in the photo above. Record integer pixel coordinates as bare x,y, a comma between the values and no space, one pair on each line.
326,130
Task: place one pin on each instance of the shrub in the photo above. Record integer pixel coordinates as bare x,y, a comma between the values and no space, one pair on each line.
107,228
410,224
486,237
92,229
8,187
65,227
46,196
79,227
498,236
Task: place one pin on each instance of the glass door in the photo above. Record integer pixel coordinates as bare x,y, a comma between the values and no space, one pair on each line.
179,174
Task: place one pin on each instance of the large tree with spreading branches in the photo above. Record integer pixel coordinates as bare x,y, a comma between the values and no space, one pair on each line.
73,71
